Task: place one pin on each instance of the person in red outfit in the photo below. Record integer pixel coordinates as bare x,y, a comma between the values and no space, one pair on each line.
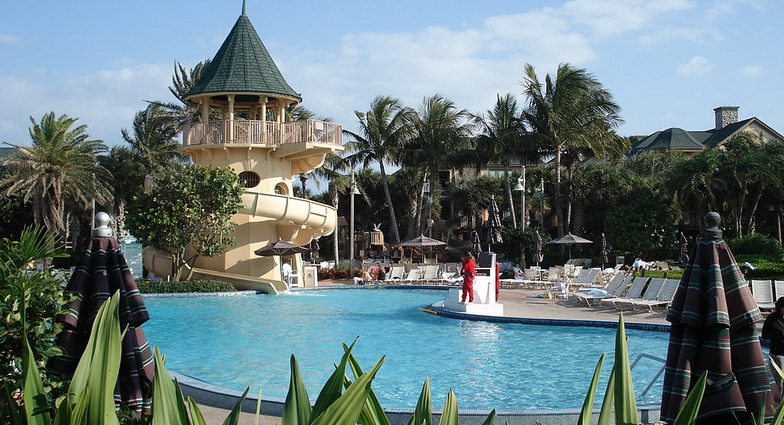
469,270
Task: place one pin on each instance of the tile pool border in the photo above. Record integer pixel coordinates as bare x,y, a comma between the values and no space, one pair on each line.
225,398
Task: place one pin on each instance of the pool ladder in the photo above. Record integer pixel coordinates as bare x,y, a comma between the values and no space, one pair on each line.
658,374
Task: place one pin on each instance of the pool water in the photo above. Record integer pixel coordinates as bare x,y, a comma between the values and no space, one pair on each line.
246,341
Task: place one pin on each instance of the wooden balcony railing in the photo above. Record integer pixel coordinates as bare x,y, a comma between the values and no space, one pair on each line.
262,132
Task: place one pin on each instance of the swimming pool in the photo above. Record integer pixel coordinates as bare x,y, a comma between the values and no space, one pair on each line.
236,342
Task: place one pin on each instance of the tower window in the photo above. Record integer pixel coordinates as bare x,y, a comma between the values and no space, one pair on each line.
249,179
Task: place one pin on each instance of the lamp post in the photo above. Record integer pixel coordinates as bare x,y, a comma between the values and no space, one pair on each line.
520,187
352,192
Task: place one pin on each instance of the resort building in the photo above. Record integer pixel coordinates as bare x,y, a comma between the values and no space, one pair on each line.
690,142
244,124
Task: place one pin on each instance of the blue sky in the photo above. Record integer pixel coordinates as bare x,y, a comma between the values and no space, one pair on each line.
667,62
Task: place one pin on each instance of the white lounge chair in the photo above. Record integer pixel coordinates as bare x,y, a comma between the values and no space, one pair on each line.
635,291
395,273
614,288
651,293
778,286
412,277
665,297
763,294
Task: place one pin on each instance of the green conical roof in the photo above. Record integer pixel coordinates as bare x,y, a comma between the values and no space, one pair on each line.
243,64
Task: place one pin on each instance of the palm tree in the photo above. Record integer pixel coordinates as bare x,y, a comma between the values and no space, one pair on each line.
153,139
500,138
383,130
438,128
339,184
183,81
570,111
128,173
59,168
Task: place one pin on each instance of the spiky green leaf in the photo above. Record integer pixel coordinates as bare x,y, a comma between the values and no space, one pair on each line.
297,410
587,410
625,402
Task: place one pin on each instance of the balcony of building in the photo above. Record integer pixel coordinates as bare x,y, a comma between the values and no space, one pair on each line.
263,133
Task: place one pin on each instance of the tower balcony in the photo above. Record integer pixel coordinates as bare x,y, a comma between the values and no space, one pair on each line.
268,133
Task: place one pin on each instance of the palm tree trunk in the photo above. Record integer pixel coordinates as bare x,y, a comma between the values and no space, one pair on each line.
420,201
557,189
335,244
568,217
390,206
509,196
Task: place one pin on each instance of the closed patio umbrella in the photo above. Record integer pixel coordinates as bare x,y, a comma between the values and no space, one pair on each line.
280,247
101,272
538,256
314,249
713,329
603,251
493,224
476,244
684,251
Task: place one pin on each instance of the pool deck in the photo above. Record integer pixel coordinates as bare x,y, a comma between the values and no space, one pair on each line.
519,303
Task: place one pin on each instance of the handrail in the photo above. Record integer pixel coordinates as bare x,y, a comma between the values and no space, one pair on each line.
262,132
658,374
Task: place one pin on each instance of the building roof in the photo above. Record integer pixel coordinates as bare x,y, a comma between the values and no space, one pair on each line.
671,139
243,64
676,139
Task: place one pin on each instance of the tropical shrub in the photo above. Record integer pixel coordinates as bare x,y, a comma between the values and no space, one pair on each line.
756,243
163,287
29,303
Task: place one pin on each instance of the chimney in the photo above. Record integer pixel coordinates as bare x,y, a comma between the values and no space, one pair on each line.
726,115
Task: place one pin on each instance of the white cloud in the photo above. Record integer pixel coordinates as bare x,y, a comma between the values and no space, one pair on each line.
105,101
696,66
8,39
751,70
613,17
694,35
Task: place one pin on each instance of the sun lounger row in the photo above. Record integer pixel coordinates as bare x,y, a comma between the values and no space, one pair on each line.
627,292
766,292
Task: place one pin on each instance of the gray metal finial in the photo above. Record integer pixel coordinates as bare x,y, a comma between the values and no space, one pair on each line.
243,7
712,230
102,229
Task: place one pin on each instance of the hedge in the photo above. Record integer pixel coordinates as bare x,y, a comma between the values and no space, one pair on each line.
160,286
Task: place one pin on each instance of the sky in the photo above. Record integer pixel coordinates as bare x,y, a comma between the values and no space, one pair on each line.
668,63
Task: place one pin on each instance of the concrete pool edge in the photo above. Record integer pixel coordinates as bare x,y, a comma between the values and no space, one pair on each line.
224,398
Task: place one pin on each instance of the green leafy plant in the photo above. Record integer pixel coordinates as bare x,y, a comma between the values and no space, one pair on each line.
186,214
30,300
619,394
162,287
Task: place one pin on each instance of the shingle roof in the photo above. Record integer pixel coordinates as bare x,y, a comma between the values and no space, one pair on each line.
679,139
243,64
672,139
717,136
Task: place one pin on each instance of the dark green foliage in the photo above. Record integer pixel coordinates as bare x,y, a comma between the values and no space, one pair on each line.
517,243
189,208
45,300
642,226
668,274
766,266
15,214
756,243
163,287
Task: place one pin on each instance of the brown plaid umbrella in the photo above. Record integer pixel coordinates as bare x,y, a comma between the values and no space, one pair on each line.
713,317
101,272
